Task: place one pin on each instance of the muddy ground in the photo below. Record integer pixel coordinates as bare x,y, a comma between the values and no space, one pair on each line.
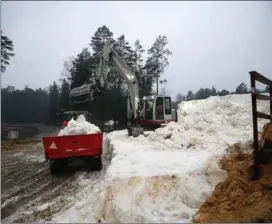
28,191
238,198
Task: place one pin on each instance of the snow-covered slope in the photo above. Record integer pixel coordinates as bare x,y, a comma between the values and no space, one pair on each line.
211,123
166,176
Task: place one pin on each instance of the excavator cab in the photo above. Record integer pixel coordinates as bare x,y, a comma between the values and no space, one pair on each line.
157,111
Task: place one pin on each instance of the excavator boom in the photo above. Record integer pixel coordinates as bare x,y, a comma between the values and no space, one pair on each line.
111,58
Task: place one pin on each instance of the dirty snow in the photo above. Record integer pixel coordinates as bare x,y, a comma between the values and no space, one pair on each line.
167,175
79,126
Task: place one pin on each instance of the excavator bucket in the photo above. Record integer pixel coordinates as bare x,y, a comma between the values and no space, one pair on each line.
82,94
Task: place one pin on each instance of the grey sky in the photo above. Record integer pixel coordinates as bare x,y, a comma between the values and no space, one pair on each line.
212,42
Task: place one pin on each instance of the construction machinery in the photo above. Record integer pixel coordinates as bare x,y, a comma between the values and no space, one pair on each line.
150,112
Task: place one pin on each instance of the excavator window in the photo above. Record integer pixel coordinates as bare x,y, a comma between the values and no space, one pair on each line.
159,108
167,103
149,110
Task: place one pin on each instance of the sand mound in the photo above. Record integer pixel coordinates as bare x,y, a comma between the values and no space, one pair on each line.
267,133
239,199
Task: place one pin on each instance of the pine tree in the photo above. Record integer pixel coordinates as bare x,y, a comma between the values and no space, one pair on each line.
137,63
241,89
138,54
158,60
213,92
101,36
53,102
64,94
122,48
83,69
7,49
224,92
190,95
68,68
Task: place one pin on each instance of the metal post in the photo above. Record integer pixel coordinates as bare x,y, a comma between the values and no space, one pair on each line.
254,112
270,90
255,126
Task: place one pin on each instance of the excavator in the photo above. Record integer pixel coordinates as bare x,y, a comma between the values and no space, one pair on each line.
150,112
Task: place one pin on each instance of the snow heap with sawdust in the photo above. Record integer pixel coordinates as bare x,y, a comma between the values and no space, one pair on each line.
78,127
166,176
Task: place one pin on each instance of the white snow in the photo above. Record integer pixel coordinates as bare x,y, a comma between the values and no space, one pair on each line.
9,201
148,183
110,122
32,158
78,127
167,175
35,158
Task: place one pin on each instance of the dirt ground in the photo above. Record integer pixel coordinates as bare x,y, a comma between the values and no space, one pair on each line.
17,144
239,199
28,191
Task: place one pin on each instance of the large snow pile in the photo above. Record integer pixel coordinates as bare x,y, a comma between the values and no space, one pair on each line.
211,124
78,127
166,176
146,183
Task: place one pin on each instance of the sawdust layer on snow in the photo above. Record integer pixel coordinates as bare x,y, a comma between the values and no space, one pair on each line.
78,127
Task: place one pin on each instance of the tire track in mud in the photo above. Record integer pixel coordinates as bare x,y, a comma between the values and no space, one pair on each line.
62,197
20,170
40,172
27,197
24,180
31,194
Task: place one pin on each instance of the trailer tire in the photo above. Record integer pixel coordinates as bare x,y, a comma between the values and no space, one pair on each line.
54,167
97,163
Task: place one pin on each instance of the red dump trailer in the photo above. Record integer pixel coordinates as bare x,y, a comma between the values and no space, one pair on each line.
60,149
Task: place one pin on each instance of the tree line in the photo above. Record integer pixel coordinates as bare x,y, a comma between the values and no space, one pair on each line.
204,93
43,105
19,106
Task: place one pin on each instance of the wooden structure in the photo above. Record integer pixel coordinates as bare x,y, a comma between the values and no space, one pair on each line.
18,131
262,155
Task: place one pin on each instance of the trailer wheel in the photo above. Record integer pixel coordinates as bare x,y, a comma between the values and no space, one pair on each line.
53,166
97,163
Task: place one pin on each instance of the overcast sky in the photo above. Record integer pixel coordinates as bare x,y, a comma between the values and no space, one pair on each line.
213,43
